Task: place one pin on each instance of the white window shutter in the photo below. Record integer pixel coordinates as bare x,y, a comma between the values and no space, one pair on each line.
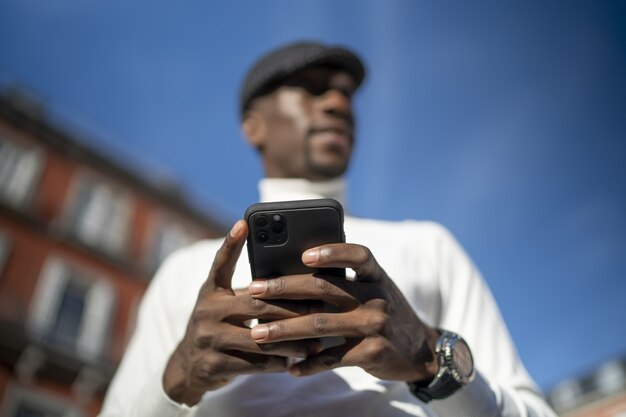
94,217
24,175
114,235
47,296
96,318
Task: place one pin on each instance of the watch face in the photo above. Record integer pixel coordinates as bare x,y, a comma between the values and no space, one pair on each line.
463,360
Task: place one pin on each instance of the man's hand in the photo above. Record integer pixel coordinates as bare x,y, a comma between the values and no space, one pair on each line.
217,345
383,334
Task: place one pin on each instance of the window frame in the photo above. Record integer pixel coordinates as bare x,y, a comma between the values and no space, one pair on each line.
10,191
17,395
104,238
97,316
5,251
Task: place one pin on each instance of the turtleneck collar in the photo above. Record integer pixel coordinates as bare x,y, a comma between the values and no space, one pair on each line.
285,189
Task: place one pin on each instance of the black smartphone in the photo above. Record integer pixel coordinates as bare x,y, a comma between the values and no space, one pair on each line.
280,232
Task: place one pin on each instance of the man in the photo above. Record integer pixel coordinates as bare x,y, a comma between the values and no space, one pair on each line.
413,295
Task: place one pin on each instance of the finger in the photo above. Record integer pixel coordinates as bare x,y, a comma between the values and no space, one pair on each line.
226,257
325,360
345,255
290,349
235,363
246,307
310,327
331,289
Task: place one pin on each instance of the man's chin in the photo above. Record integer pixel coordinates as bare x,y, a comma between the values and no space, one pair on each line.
321,172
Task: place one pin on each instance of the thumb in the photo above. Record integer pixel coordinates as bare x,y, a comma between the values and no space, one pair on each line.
226,257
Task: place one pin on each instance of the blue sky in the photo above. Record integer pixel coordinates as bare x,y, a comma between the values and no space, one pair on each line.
506,122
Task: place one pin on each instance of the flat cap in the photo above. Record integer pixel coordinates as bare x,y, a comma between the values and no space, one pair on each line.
270,69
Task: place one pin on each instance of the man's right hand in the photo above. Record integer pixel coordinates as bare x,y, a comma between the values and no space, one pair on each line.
217,344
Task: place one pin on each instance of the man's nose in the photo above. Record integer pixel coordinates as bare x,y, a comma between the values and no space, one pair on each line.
335,102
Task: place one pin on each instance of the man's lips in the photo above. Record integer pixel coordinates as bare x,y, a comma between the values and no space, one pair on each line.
332,136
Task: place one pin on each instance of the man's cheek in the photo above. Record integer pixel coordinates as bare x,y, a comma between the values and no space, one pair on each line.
291,104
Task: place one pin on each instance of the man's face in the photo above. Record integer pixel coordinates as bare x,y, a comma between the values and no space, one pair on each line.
309,125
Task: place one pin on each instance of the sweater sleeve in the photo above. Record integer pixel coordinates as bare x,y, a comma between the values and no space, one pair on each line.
137,389
502,386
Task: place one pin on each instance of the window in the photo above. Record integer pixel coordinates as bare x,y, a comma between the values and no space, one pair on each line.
33,410
611,377
23,402
168,237
66,324
71,309
99,215
5,247
566,395
19,169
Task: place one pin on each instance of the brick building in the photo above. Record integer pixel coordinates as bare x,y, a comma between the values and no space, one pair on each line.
80,237
601,393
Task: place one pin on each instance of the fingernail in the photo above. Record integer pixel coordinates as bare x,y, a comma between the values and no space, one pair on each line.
234,232
295,370
260,332
310,256
257,287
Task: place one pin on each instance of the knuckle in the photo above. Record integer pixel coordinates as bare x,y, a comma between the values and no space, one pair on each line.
378,303
206,310
319,323
197,316
375,350
208,339
205,338
323,284
209,367
256,305
377,322
277,286
363,255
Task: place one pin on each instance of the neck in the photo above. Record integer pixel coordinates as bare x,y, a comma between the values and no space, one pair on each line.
284,189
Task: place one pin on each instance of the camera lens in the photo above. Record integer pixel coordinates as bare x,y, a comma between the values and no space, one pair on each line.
262,236
260,221
278,227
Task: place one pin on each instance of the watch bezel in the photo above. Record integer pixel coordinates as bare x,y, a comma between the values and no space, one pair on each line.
446,350
448,379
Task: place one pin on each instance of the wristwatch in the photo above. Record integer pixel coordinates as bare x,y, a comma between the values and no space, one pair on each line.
456,369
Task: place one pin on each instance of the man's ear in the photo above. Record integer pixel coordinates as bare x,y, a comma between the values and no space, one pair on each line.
254,128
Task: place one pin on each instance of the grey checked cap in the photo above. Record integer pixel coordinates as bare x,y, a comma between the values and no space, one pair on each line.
270,69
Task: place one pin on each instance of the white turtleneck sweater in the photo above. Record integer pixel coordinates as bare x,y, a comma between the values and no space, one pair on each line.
425,262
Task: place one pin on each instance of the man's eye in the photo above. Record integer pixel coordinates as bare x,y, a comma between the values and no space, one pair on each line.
317,89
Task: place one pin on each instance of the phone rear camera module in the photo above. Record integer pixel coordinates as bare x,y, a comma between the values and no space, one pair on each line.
263,236
260,221
278,227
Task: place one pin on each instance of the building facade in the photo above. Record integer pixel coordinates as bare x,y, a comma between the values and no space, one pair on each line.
80,237
601,393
